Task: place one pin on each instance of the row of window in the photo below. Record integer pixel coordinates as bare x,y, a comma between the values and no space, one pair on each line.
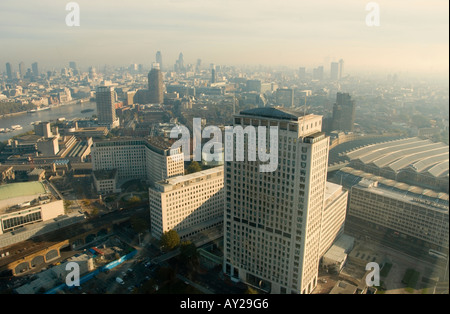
13,222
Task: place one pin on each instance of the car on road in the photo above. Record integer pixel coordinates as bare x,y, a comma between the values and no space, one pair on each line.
120,281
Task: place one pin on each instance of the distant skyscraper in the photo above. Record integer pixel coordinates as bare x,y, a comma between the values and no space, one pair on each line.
198,65
106,109
301,73
21,70
179,65
343,113
155,85
213,74
74,67
9,70
276,227
318,73
334,71
159,60
35,69
92,73
341,68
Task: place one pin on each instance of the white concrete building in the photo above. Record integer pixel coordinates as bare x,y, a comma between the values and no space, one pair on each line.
187,204
334,212
135,158
273,221
25,203
403,211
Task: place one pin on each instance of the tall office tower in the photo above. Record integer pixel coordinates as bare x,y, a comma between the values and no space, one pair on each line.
92,73
213,74
159,60
318,73
106,110
198,65
343,113
187,204
21,70
334,71
155,85
302,73
285,97
341,68
74,67
179,65
9,71
272,222
35,69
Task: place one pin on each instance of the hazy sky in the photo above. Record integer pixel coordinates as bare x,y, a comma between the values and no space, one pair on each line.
412,36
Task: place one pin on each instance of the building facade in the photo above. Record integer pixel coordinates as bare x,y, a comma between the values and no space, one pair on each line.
334,213
26,203
106,110
137,159
285,97
399,213
187,204
155,86
343,113
273,220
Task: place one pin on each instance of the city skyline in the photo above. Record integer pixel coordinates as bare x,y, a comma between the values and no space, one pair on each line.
224,147
412,37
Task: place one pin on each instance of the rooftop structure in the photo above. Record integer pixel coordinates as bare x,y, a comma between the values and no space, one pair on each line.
15,193
411,160
25,203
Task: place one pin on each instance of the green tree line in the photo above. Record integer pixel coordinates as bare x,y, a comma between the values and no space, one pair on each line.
12,107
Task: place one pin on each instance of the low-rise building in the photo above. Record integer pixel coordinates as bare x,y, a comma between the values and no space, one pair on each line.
135,158
105,181
6,174
26,203
187,204
396,209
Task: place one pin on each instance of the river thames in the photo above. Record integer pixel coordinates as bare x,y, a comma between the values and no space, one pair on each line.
25,120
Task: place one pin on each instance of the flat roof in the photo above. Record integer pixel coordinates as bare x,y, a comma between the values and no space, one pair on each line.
406,197
19,189
274,113
105,174
185,178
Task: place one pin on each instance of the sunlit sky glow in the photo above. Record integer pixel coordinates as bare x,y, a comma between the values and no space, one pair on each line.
412,37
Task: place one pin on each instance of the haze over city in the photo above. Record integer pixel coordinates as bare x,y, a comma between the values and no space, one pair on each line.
412,37
224,147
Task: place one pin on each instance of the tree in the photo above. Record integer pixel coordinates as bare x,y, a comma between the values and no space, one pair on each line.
188,250
250,290
134,199
193,167
169,240
189,257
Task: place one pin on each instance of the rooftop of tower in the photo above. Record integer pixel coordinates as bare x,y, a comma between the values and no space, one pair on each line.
275,112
